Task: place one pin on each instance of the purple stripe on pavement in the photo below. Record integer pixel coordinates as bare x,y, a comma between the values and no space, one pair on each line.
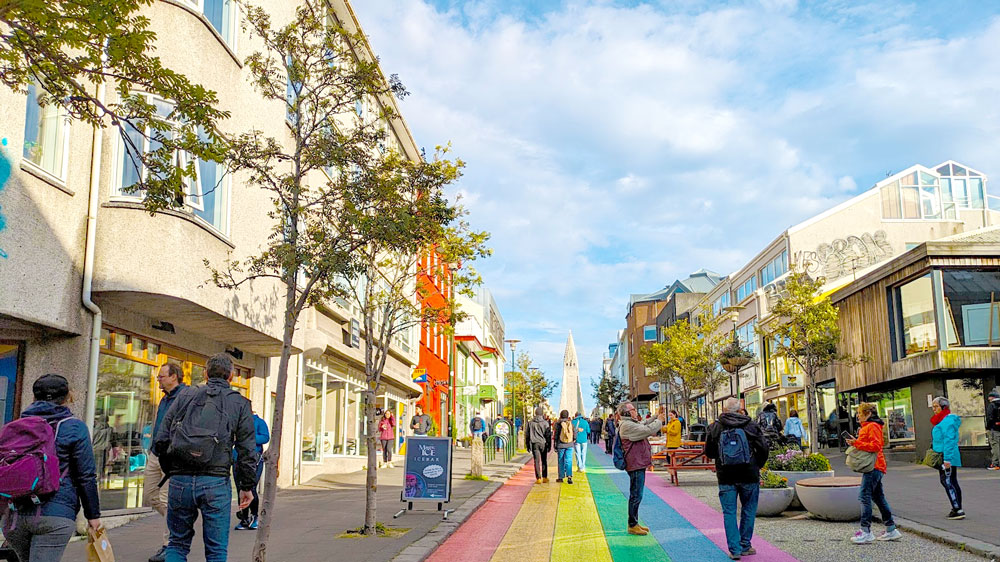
709,521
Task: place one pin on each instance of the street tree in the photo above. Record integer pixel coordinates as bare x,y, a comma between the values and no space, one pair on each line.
803,329
528,386
609,391
69,52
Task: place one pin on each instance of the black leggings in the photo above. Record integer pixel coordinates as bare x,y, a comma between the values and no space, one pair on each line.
386,450
949,479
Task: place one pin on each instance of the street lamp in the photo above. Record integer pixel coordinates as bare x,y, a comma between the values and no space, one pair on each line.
736,361
513,364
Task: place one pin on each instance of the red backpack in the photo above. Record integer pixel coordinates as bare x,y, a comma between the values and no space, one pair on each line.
29,466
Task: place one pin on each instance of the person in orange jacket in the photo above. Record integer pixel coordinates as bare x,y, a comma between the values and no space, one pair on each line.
870,439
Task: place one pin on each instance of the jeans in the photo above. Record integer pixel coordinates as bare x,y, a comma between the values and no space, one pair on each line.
252,509
541,461
580,452
949,479
636,484
595,436
386,450
40,539
872,491
738,536
565,462
994,436
212,496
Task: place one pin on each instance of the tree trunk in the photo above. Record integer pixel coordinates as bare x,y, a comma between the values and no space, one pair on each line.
371,481
274,450
811,413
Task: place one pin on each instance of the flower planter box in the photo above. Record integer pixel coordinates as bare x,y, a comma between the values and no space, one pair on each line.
831,499
773,501
795,476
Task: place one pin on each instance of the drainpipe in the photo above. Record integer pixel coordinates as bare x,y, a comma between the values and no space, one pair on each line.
88,272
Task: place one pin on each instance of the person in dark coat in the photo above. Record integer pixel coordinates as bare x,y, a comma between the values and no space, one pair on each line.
770,424
611,430
737,481
41,533
538,441
596,423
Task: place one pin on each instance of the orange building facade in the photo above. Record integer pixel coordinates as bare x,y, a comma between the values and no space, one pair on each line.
433,365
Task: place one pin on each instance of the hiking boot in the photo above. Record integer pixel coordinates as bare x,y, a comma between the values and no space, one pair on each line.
637,530
570,481
160,556
749,552
538,480
956,514
545,480
863,537
892,535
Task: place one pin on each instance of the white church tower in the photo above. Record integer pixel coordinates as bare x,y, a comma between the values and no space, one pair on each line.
571,397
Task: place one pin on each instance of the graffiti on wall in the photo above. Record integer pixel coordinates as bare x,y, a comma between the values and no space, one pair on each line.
844,256
5,171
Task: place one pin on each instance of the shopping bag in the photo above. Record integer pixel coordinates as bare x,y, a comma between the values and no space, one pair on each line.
98,546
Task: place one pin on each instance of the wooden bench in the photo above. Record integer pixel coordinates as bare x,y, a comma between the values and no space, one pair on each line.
689,456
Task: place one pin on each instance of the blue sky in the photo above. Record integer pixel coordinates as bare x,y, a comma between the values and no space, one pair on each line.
613,147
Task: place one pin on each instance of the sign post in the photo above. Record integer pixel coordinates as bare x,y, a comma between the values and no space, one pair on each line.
427,470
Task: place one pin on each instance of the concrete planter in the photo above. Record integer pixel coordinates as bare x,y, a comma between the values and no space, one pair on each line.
795,476
831,499
773,501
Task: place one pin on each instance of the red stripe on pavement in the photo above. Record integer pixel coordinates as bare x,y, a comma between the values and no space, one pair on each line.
478,537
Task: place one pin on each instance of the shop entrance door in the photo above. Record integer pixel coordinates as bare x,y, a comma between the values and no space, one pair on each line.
10,379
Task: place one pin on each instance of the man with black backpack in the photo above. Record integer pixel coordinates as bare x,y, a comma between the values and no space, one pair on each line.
740,450
195,447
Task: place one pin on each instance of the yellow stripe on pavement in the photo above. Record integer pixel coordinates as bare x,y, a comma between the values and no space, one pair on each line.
579,535
529,538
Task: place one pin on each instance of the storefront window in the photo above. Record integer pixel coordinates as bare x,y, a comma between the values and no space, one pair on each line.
972,307
915,303
328,411
826,408
895,409
966,397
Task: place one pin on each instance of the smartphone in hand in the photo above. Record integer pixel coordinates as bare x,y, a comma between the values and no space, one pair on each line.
846,435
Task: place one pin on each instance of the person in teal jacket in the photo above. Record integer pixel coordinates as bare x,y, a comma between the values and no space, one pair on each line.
582,427
944,437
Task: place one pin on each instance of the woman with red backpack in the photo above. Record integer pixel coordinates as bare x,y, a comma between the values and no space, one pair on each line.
40,533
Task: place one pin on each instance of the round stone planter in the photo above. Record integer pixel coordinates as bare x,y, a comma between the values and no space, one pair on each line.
795,476
831,499
772,501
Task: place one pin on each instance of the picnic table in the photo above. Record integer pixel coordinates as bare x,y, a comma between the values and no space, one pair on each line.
689,456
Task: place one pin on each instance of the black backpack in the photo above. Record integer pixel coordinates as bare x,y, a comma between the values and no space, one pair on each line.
201,429
477,424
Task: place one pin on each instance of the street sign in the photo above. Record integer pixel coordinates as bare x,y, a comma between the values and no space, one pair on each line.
355,333
419,375
501,427
427,469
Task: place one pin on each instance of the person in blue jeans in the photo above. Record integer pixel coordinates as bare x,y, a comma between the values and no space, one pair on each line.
204,487
581,428
741,440
634,434
563,437
248,516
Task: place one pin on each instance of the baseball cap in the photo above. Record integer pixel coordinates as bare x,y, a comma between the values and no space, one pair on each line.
50,387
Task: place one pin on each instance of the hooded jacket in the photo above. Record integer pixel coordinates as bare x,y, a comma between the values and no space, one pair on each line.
993,412
581,428
944,437
737,474
78,483
871,439
539,433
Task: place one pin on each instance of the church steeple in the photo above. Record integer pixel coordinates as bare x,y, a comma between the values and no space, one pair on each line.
571,396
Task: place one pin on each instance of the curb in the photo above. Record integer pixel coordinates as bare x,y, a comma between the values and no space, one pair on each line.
426,545
959,542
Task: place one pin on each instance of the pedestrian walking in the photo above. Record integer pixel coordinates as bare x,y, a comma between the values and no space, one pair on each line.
386,435
740,450
564,438
870,439
420,423
673,430
944,440
170,378
195,444
770,424
581,428
477,426
538,441
39,529
793,429
993,428
610,430
248,516
596,424
634,434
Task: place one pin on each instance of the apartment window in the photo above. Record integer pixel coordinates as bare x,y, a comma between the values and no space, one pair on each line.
649,333
46,134
746,289
776,365
915,316
222,15
962,186
918,195
720,303
776,268
207,195
293,89
748,336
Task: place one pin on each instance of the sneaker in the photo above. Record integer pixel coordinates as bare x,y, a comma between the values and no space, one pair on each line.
390,465
538,480
863,537
242,526
253,523
570,481
749,552
160,556
545,480
993,467
637,530
893,535
956,514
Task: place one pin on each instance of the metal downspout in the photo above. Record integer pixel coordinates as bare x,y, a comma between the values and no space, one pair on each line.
88,273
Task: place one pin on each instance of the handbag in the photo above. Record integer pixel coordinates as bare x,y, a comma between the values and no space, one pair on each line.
860,461
933,459
98,546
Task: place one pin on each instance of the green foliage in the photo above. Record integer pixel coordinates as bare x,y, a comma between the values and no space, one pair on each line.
769,479
69,48
794,460
609,391
528,385
479,478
